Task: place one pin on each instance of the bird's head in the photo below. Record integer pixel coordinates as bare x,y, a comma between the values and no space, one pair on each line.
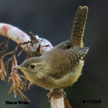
31,65
33,68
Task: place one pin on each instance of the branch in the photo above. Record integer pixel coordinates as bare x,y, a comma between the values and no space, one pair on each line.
19,37
56,97
57,103
13,33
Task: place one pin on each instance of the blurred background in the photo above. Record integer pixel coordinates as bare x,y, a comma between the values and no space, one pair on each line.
52,19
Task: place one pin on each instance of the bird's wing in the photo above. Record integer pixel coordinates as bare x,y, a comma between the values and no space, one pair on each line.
63,61
75,54
64,45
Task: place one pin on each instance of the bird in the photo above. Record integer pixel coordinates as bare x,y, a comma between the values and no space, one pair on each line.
62,65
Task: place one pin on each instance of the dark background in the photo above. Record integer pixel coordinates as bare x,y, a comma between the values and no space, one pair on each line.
52,19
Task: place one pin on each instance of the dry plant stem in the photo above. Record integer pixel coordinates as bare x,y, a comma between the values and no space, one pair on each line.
17,83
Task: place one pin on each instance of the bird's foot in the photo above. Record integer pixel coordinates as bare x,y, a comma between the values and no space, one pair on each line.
56,93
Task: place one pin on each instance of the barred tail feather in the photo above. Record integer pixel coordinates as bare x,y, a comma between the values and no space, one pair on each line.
79,26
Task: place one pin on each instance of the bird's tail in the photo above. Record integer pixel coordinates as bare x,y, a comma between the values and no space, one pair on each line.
79,26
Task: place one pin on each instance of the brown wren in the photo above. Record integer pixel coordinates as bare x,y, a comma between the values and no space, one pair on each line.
62,65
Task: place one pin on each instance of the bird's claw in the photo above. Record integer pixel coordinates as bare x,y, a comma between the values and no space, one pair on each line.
56,93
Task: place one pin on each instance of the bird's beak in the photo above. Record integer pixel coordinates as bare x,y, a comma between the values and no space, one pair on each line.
19,67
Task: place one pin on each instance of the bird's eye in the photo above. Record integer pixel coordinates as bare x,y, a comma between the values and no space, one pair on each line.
32,66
